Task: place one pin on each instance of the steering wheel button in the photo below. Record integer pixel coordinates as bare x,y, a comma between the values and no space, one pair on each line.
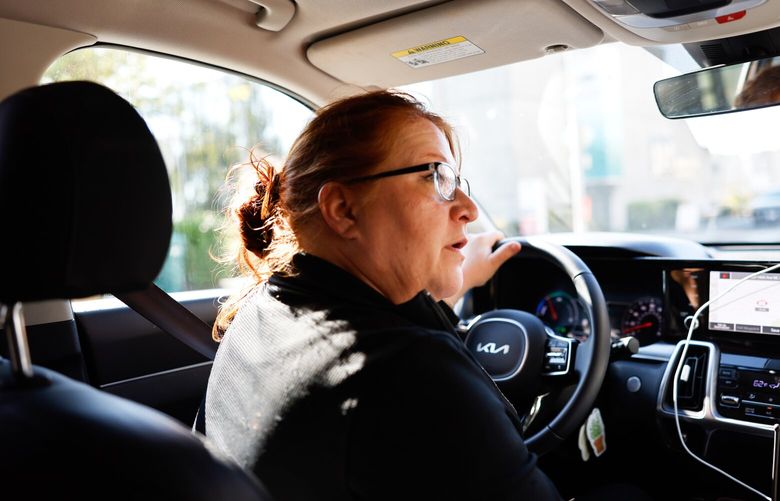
633,384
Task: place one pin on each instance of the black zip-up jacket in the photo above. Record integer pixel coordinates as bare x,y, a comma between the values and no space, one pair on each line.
327,390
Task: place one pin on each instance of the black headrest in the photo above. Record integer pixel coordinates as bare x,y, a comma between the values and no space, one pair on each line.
84,195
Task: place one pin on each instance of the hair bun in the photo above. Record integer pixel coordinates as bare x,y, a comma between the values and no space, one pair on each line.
267,188
258,214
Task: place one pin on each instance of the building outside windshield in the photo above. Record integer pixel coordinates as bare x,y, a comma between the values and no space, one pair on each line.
575,142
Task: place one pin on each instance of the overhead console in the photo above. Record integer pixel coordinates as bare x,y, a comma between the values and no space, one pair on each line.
682,21
681,13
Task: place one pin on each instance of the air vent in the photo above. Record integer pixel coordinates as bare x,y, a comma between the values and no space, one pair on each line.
691,387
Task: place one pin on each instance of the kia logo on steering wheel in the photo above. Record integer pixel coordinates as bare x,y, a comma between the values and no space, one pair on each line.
491,348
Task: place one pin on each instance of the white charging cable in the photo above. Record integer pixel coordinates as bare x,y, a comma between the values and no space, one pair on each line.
679,373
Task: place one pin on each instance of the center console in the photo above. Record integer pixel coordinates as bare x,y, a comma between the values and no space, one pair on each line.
725,383
749,393
731,373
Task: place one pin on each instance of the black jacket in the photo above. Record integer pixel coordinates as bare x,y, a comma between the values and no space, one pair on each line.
328,391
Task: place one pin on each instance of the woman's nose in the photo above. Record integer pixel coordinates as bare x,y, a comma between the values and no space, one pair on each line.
465,208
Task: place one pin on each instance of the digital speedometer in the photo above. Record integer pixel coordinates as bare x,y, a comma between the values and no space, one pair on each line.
559,311
643,320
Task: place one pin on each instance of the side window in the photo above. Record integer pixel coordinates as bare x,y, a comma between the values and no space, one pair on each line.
205,120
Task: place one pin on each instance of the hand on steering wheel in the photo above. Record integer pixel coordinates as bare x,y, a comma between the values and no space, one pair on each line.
519,352
482,261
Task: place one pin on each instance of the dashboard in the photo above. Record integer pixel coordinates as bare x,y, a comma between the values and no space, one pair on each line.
634,291
653,287
650,298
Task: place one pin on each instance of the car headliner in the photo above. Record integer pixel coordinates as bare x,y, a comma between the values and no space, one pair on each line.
330,48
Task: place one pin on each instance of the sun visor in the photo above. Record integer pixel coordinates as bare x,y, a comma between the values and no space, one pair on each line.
456,37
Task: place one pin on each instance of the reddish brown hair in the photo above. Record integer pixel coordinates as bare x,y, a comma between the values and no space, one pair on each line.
346,139
763,89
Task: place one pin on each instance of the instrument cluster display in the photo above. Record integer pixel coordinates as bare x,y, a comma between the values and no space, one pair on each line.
564,314
643,319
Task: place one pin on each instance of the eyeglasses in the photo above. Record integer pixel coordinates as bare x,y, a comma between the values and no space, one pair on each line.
445,178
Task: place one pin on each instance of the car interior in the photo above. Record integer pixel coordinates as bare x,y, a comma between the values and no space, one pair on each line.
620,141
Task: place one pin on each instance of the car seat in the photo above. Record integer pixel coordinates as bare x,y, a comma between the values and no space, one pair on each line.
86,210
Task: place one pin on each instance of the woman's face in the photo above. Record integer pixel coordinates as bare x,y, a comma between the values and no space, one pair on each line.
411,236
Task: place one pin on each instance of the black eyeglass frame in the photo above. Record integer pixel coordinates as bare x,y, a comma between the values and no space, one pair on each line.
432,166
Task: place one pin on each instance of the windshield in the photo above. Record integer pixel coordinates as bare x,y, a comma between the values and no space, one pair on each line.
575,142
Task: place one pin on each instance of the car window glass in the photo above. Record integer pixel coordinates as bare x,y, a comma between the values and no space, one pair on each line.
204,120
575,142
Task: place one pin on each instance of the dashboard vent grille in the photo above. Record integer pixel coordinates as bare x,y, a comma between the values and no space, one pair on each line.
690,393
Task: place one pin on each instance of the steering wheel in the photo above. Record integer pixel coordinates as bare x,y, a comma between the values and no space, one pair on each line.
520,353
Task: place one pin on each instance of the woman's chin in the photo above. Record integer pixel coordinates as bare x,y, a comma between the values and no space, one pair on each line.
447,288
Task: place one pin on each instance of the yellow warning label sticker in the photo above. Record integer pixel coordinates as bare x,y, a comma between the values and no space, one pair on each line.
438,52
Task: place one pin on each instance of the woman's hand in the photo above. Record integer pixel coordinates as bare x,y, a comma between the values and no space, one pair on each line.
481,261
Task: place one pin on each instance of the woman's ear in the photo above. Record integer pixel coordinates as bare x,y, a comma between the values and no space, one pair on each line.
337,210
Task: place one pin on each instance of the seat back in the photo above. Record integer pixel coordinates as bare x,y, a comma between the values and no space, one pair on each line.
86,210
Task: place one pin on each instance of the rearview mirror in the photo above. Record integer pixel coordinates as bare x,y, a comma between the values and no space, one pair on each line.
721,89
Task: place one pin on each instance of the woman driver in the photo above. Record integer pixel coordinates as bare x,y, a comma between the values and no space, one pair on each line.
340,376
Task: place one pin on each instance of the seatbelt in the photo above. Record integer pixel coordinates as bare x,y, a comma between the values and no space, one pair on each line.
155,305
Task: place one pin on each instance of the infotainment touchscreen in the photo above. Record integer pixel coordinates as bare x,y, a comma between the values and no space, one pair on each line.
753,307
